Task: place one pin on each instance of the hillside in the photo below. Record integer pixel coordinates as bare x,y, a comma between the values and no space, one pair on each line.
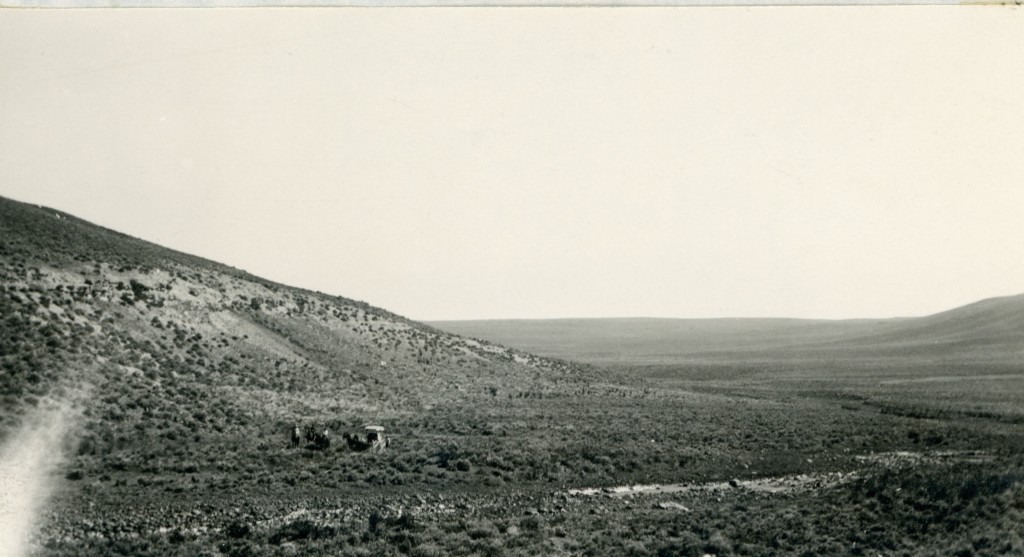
161,346
990,330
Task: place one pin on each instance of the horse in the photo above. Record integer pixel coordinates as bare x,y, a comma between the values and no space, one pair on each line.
320,440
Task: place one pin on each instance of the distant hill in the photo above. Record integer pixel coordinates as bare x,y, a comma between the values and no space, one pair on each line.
989,330
167,344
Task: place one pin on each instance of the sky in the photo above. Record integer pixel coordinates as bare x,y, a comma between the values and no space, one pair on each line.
832,163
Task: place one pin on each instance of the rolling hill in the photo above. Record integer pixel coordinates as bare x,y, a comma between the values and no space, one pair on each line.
991,330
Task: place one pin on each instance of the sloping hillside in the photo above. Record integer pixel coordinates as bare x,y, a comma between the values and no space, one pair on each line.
166,346
991,329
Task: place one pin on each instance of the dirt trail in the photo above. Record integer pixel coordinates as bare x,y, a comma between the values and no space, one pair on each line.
792,483
28,460
779,484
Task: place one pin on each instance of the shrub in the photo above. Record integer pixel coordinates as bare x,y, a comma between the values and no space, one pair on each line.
530,524
428,549
301,529
237,530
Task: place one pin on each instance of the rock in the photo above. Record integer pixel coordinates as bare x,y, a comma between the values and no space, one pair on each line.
672,505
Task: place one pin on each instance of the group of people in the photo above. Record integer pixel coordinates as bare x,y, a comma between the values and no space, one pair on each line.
318,439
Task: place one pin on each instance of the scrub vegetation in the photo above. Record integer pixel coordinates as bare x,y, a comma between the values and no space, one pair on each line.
194,374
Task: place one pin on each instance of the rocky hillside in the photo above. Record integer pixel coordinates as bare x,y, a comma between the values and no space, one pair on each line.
159,345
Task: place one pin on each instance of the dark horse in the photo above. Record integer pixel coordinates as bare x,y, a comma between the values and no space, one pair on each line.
319,439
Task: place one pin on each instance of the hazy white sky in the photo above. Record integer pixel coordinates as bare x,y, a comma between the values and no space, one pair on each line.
467,163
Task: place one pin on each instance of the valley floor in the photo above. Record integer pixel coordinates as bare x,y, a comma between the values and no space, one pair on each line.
668,468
